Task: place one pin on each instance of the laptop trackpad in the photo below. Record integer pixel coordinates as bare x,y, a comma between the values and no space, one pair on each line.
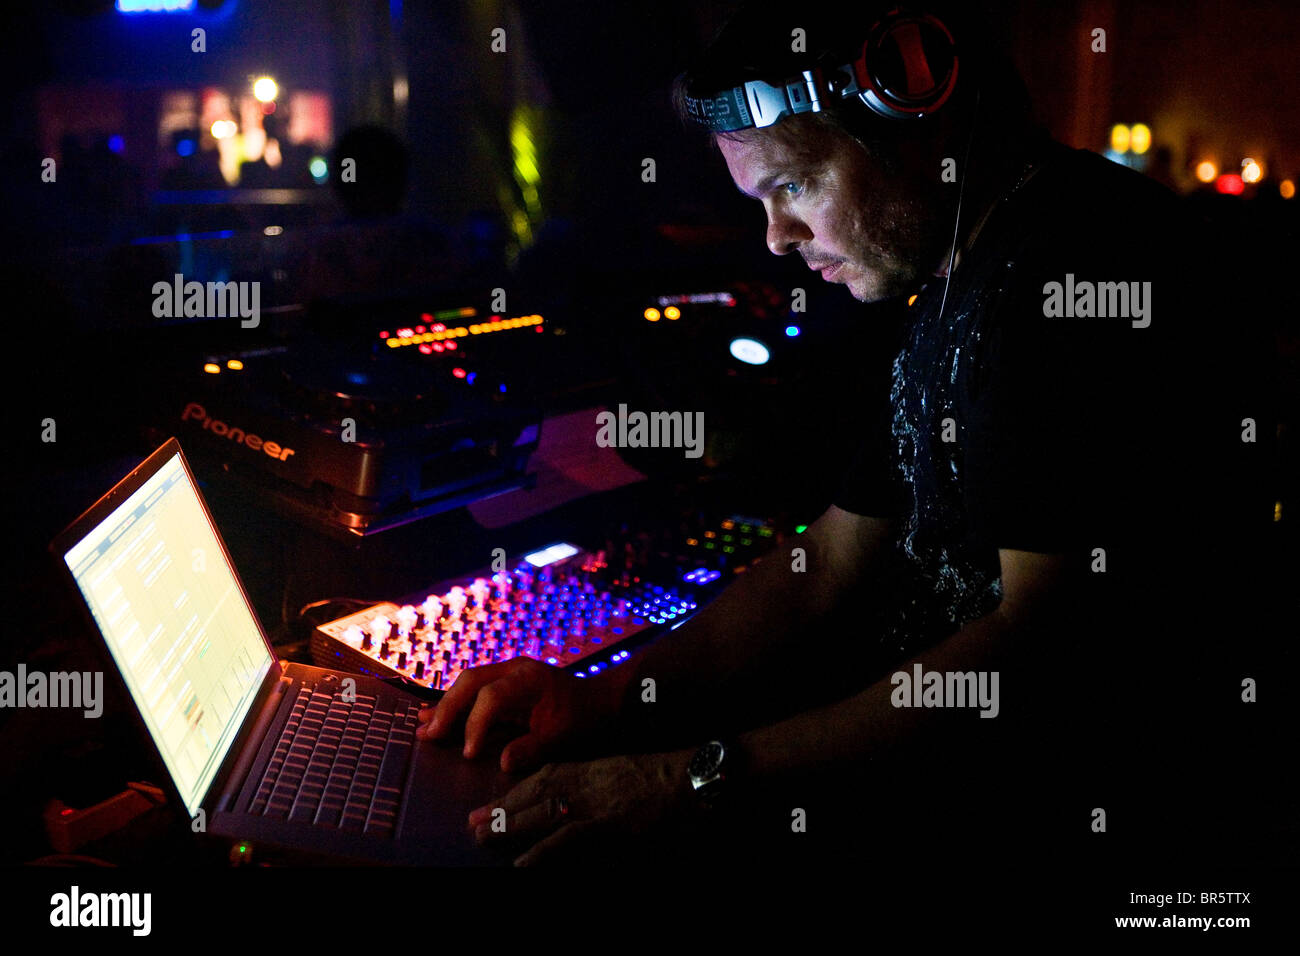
444,787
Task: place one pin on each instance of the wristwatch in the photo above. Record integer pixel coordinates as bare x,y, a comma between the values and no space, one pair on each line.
712,766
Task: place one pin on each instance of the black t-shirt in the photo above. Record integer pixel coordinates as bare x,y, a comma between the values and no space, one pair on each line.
1095,437
1017,420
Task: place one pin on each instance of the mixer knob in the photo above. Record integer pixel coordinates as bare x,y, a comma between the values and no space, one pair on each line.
419,670
401,661
406,618
431,608
354,635
380,628
384,651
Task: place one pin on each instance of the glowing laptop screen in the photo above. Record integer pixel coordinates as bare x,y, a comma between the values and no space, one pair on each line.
177,624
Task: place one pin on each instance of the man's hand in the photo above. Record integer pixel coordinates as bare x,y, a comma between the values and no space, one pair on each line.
570,806
557,708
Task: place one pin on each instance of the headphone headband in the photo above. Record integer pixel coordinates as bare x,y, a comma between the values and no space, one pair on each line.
907,69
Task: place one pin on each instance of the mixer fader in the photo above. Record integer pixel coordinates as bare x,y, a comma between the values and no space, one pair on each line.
562,605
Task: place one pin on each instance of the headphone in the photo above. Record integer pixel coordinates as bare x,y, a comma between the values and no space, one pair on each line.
906,70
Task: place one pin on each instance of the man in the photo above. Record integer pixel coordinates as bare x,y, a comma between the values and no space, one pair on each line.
1010,519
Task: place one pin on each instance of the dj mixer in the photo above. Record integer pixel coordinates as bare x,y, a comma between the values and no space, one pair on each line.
583,610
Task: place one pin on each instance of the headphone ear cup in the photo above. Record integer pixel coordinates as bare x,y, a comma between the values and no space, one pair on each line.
908,67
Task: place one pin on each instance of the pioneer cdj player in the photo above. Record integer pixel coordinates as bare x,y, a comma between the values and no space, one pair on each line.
363,433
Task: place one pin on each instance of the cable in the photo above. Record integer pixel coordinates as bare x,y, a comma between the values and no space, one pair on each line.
961,191
360,602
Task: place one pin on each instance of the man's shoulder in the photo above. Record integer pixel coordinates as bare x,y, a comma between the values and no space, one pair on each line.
1085,221
1081,177
1080,205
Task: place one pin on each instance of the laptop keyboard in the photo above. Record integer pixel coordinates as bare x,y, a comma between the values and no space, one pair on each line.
340,763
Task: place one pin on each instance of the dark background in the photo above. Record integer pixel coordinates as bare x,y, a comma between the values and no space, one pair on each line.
583,88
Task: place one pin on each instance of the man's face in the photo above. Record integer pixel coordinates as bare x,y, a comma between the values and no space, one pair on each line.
880,234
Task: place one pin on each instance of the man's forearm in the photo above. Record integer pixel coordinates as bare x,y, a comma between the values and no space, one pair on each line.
868,726
749,627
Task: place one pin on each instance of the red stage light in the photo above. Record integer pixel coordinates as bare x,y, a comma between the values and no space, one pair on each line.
1230,183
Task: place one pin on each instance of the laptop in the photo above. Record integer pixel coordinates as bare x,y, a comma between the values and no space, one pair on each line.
320,763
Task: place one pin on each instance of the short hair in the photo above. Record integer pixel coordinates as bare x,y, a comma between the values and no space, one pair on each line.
756,44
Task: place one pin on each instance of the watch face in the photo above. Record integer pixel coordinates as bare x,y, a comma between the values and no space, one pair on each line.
706,761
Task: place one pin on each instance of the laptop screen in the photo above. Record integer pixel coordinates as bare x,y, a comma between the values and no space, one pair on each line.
176,622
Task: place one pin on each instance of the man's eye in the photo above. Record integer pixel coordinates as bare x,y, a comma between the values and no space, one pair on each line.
792,189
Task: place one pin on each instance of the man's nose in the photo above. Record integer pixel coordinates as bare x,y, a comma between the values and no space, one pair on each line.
785,232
